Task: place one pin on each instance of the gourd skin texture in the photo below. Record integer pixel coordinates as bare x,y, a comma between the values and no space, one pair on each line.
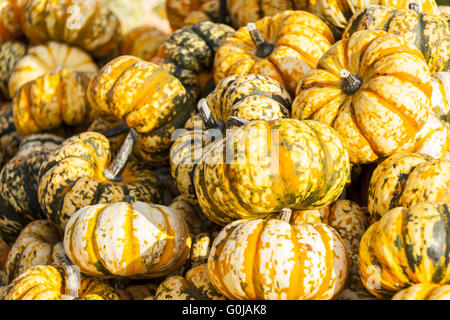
196,285
429,32
143,42
405,247
441,95
424,291
386,112
147,97
72,178
276,164
182,13
122,239
9,137
10,53
49,283
273,260
90,25
405,179
289,61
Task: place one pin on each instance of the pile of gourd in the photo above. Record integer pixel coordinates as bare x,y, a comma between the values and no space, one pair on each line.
262,150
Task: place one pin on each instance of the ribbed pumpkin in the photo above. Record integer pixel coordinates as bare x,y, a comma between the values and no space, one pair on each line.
276,164
374,89
11,12
9,137
80,173
148,98
405,247
273,260
10,53
408,178
49,88
189,53
284,47
19,180
196,285
90,25
138,292
123,239
424,291
143,42
38,244
182,13
429,32
440,98
51,283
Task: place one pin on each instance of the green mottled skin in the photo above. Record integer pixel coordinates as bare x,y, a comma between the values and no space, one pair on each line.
10,53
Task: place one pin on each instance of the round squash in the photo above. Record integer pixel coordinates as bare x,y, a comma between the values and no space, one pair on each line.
80,173
405,247
11,12
182,13
89,25
424,291
9,137
51,283
374,88
440,98
36,245
49,88
276,164
148,98
189,53
405,179
273,260
143,42
429,32
122,239
283,47
196,285
19,179
10,53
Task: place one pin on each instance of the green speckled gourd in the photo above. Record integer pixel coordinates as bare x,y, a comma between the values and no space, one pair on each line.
19,184
271,165
429,32
9,137
188,54
10,53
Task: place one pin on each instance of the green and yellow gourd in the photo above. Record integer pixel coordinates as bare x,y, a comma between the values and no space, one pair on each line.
143,240
19,180
189,54
10,53
9,137
405,179
80,173
195,285
424,291
429,32
275,164
148,98
406,247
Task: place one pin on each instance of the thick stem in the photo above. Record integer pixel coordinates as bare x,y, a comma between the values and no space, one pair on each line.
350,83
114,171
206,115
263,48
236,122
115,131
285,214
222,11
73,277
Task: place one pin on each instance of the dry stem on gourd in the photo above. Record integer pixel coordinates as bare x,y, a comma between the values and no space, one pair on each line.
114,171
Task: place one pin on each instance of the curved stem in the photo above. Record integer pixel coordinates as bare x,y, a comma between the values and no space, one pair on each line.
285,214
114,171
263,48
236,122
73,277
222,11
350,82
206,115
115,131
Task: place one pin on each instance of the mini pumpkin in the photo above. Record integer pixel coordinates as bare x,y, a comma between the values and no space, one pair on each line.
10,53
90,25
123,239
405,179
36,245
10,17
265,166
429,32
19,179
284,47
147,97
189,53
273,260
196,285
143,42
424,291
49,88
405,247
357,89
80,173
